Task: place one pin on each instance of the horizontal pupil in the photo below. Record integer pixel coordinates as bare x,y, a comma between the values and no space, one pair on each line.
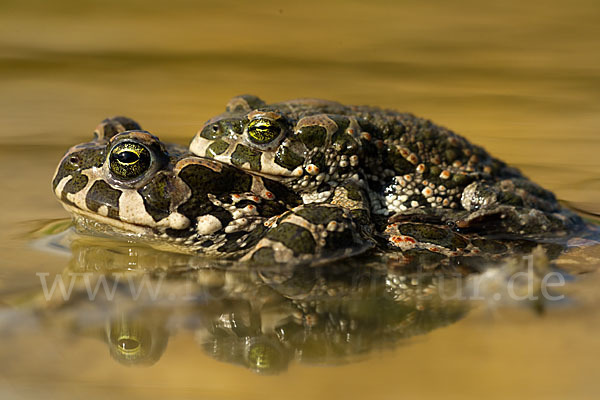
127,157
262,130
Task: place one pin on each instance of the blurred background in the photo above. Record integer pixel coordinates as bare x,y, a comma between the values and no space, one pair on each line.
520,78
524,72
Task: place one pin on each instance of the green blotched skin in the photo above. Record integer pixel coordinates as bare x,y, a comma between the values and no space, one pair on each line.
193,204
308,181
387,167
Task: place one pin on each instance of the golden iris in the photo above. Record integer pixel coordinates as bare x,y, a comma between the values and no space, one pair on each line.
129,160
130,340
263,357
128,344
263,131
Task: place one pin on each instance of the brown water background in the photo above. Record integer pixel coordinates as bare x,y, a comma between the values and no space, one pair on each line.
520,78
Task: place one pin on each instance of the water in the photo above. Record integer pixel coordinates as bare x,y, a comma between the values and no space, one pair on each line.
520,79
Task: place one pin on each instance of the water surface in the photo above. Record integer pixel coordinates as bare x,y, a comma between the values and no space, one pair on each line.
521,79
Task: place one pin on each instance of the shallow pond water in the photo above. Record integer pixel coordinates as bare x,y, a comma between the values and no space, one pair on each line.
521,79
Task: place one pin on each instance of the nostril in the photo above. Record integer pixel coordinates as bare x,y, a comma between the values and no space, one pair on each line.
74,160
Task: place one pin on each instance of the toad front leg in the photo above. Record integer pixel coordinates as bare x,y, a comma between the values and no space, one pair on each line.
310,234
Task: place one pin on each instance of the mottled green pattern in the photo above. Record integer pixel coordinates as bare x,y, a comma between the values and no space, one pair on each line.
312,136
321,214
286,158
294,237
76,184
218,147
102,194
204,181
246,155
432,234
74,163
345,179
157,196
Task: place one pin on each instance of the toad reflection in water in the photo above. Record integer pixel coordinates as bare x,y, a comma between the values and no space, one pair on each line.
266,313
262,319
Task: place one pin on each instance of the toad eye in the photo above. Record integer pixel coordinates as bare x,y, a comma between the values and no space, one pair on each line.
128,344
263,131
129,160
264,356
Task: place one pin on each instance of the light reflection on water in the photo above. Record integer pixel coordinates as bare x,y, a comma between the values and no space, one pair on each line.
135,298
519,78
